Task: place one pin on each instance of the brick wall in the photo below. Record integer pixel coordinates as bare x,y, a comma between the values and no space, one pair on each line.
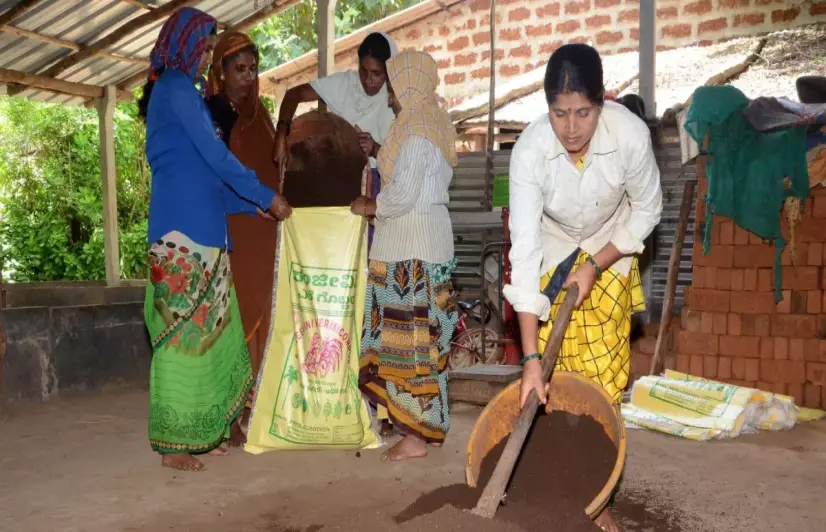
732,330
530,30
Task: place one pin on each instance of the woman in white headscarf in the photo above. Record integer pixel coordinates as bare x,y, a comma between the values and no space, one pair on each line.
358,96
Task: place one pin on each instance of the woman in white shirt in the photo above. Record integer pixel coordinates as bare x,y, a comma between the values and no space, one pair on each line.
584,194
410,315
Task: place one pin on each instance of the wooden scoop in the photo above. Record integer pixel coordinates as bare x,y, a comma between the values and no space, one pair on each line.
495,489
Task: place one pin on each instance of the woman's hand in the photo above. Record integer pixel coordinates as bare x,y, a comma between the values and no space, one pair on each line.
279,156
280,208
584,277
264,215
532,381
368,145
363,206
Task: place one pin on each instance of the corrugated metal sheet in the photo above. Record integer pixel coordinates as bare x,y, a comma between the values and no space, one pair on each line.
474,225
673,176
86,21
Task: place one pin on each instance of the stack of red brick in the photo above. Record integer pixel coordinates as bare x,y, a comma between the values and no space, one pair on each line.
732,330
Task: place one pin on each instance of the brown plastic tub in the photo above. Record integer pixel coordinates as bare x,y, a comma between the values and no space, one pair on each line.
570,392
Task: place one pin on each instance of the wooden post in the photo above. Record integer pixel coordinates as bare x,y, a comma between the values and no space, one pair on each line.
491,137
326,31
106,115
648,48
3,339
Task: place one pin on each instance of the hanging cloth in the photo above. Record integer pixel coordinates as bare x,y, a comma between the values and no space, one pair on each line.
746,169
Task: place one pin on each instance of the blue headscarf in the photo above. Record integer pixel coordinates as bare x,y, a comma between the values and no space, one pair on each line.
181,43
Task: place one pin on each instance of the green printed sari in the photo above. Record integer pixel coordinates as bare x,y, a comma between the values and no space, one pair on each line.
200,373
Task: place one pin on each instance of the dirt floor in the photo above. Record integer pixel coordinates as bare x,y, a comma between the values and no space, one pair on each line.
84,464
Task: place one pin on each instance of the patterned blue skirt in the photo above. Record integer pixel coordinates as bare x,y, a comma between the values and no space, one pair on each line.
410,318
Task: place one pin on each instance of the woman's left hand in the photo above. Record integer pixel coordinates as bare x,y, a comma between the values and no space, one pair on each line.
368,145
363,206
585,276
264,215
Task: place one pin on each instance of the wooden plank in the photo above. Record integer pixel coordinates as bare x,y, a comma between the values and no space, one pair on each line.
3,341
106,114
673,273
491,133
473,392
488,372
20,32
325,30
57,85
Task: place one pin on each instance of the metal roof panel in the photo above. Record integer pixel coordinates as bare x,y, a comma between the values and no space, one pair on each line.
85,22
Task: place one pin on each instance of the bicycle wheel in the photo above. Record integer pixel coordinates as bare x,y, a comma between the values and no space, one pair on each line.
467,349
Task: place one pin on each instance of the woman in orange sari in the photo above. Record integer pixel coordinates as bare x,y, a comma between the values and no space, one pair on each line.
243,123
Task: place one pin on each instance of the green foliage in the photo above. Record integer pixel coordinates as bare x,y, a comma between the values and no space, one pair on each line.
51,212
292,33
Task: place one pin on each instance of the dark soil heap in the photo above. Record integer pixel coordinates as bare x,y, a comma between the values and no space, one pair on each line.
326,162
564,464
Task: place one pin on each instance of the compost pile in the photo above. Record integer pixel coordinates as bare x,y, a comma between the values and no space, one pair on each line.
326,164
564,464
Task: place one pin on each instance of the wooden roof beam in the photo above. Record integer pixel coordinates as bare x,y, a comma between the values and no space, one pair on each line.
59,86
20,32
149,7
17,10
139,3
263,14
122,32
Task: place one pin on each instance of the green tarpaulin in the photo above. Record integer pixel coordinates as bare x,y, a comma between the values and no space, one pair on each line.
746,169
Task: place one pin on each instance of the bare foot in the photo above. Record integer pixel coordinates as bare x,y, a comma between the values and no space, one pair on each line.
406,448
237,438
221,450
436,444
605,521
245,422
184,462
387,430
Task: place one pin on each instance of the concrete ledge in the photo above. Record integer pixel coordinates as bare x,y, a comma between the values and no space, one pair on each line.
51,349
71,294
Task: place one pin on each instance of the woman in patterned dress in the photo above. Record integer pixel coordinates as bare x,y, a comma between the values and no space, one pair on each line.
584,194
410,315
200,372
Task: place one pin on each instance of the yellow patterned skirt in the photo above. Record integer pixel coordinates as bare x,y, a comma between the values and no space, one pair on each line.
597,342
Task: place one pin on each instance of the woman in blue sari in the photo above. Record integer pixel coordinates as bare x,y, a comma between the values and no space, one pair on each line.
200,372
